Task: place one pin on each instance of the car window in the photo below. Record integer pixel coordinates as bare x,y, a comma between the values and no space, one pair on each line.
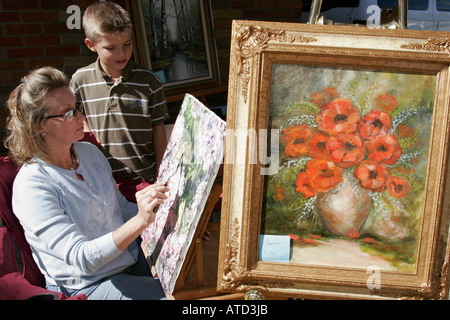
327,5
443,5
417,5
389,3
412,4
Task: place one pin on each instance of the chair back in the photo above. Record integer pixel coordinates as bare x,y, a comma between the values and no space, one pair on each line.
31,272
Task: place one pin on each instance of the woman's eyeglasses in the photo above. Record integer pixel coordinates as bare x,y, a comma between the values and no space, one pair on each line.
69,114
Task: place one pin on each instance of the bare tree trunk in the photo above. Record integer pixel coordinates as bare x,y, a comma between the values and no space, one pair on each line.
185,20
178,17
163,27
154,34
189,28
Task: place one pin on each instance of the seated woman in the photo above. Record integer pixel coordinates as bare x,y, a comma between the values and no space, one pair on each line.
81,229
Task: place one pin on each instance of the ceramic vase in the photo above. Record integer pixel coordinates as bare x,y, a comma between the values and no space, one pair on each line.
344,209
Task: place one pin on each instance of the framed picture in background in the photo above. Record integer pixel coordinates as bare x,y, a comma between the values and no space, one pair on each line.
176,40
335,170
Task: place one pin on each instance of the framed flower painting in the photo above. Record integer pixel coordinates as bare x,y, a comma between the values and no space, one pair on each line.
344,174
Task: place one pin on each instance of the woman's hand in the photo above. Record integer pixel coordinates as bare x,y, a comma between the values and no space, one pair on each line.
149,199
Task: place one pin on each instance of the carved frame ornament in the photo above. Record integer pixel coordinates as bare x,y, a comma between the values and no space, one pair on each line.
255,46
251,40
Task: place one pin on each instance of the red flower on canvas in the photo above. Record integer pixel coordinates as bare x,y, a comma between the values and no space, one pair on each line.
324,175
324,96
404,170
353,234
296,139
372,175
294,132
405,131
304,186
397,186
384,149
339,116
346,150
370,240
318,146
375,123
386,102
310,241
279,193
344,139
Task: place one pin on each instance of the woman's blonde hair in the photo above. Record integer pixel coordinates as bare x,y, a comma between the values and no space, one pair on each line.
105,17
27,106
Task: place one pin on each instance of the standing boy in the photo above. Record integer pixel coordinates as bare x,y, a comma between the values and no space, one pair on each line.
124,103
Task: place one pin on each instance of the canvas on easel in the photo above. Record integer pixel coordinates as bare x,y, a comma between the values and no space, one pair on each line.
190,165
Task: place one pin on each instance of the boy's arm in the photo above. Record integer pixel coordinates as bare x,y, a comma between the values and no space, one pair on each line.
159,143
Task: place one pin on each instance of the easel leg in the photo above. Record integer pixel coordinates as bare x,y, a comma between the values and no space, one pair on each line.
199,261
195,252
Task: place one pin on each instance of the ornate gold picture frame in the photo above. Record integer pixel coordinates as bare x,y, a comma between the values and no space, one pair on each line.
335,170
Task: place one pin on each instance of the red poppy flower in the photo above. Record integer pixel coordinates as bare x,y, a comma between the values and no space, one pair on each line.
310,241
296,139
324,96
397,186
370,240
353,234
304,185
404,170
346,150
372,175
405,131
386,102
279,193
339,116
294,132
375,123
324,175
384,149
318,146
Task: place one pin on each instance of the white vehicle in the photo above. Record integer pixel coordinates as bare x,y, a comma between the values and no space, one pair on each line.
422,14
